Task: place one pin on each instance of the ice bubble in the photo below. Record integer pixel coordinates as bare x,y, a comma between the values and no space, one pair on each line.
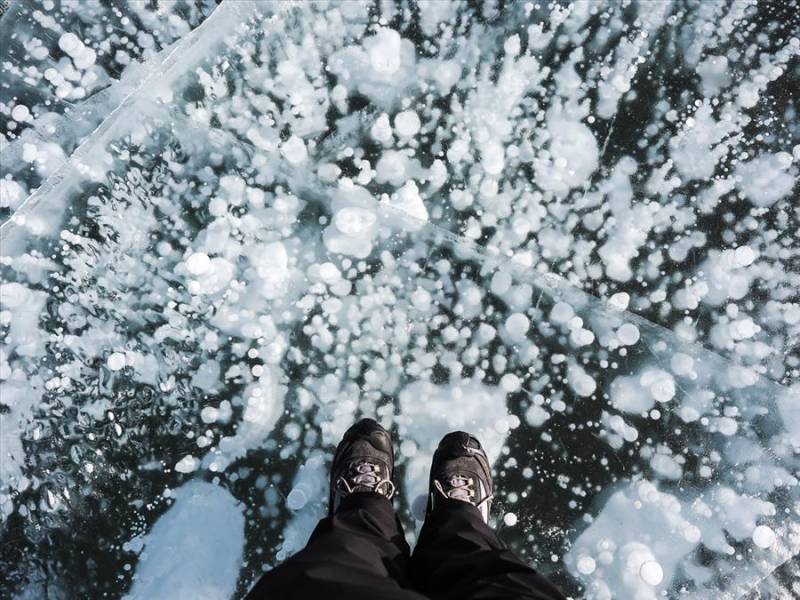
501,282
421,299
492,158
581,382
12,194
198,263
581,337
29,152
407,124
628,334
187,464
586,565
660,383
517,326
297,498
294,150
764,179
381,130
510,519
651,572
115,361
763,536
209,414
219,274
84,58
354,221
784,159
512,45
218,207
329,273
384,52
70,43
574,156
561,313
410,202
485,333
536,416
447,74
391,168
727,426
692,533
748,94
714,74
328,172
510,383
744,329
682,364
20,113
273,270
744,256
666,466
619,301
233,188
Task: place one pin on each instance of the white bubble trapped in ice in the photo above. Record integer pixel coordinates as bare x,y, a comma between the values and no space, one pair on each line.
619,301
628,334
187,464
297,498
407,124
579,380
294,151
561,312
381,130
492,158
510,519
20,113
198,263
116,361
517,326
763,536
70,43
354,221
384,51
586,565
651,572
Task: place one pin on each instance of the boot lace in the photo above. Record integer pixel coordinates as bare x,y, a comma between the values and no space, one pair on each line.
461,488
364,474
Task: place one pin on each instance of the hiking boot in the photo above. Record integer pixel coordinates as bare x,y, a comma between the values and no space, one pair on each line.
460,470
364,462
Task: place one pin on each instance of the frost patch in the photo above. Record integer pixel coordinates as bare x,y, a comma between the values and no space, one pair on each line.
194,550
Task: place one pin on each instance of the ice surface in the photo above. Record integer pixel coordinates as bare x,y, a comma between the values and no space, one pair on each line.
194,550
570,228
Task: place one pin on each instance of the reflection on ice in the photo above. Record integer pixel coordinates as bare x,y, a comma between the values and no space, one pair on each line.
299,214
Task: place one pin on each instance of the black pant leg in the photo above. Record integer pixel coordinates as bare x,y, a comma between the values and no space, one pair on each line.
459,557
358,554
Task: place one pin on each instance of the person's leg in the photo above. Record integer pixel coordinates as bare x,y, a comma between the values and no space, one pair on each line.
458,556
358,551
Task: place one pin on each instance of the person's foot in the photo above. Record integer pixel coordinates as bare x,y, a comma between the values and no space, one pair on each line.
460,470
364,462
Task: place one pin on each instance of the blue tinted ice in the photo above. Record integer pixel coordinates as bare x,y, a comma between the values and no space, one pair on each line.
568,228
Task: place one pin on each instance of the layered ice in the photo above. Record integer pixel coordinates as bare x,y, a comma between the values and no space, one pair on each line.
194,550
229,232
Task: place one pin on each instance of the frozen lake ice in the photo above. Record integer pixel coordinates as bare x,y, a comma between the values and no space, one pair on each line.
229,230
